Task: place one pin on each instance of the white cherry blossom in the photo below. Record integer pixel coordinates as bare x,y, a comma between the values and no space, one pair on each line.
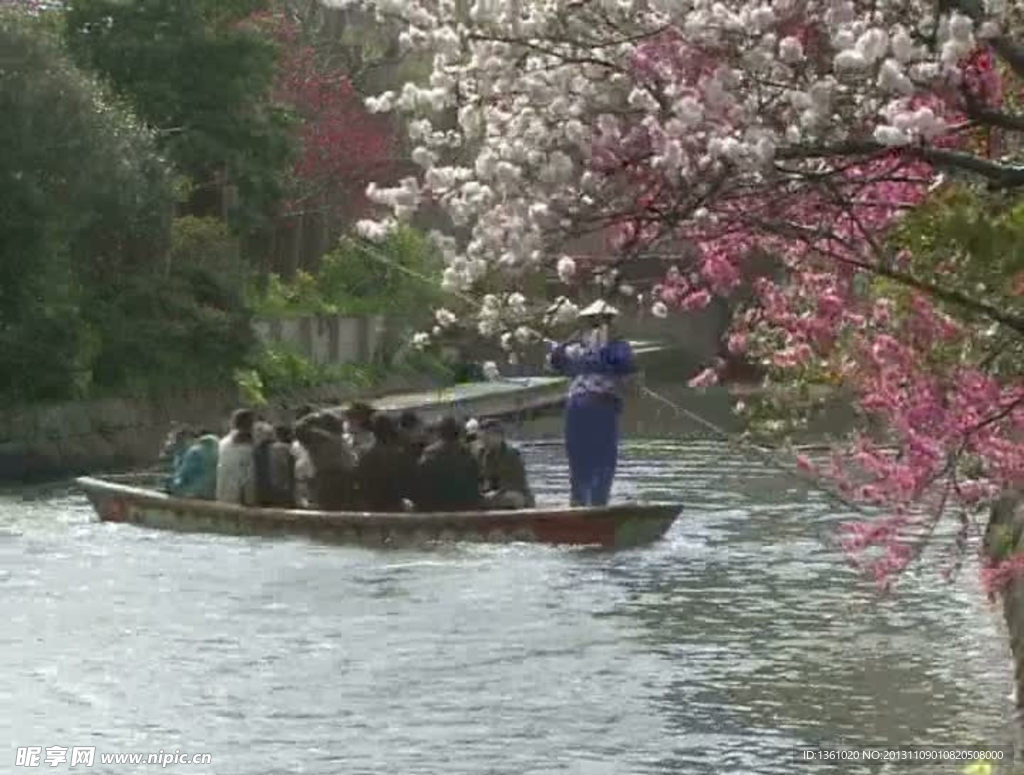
543,129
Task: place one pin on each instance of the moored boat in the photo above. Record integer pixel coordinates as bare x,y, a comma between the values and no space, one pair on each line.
617,526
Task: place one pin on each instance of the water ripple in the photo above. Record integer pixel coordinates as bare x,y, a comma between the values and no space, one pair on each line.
722,648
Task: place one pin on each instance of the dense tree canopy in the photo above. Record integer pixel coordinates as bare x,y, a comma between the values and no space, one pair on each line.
99,287
201,78
84,199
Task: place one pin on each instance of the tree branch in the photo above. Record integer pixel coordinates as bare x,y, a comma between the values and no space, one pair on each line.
1010,52
995,118
1005,175
1008,49
813,240
1013,322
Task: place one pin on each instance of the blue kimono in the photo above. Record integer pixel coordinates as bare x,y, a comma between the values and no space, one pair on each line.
592,414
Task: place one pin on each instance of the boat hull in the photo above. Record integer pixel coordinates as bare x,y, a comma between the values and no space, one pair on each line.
611,527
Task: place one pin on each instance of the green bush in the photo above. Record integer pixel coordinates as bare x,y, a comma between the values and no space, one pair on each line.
969,241
302,296
279,370
84,202
209,246
184,323
101,291
399,278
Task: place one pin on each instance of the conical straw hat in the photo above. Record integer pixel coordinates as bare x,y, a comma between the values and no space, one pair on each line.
599,308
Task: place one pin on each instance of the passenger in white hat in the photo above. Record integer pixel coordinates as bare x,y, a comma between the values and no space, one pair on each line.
598,364
471,435
599,309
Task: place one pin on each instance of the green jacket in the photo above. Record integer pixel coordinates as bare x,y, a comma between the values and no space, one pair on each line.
196,473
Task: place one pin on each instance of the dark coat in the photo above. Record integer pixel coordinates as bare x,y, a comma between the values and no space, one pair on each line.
448,479
385,475
414,448
333,485
275,474
502,470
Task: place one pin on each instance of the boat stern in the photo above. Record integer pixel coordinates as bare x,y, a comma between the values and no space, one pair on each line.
646,529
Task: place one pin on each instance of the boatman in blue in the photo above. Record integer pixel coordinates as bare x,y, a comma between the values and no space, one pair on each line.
598,366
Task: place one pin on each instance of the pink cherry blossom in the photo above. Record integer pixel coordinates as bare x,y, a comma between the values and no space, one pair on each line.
768,151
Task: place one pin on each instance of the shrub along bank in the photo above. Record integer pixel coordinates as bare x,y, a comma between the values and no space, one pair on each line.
398,279
102,289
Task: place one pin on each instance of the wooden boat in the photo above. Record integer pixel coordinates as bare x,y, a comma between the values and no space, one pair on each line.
612,526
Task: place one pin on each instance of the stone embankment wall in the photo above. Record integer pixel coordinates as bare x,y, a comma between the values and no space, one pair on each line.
694,338
49,441
326,339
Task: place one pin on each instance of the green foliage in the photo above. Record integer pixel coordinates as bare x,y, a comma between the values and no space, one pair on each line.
183,322
207,246
972,242
969,236
189,69
279,370
101,290
399,278
409,360
250,386
84,202
301,296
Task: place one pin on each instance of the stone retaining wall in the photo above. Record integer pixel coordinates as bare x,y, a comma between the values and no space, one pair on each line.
326,339
49,441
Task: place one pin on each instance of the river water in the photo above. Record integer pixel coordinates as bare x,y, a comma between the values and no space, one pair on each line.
724,648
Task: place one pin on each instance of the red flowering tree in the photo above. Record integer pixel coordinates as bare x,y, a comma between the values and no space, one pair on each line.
342,147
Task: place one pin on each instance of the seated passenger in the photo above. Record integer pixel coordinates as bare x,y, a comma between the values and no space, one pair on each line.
176,444
448,478
236,479
273,468
196,474
413,432
471,435
302,463
502,470
282,467
322,435
385,472
358,432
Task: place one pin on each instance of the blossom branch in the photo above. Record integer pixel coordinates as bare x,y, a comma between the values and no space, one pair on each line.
1005,175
